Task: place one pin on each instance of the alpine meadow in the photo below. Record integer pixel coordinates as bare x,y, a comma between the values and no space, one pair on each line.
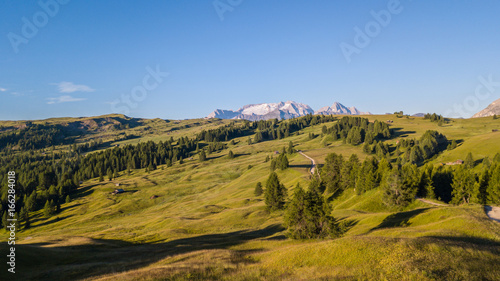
243,140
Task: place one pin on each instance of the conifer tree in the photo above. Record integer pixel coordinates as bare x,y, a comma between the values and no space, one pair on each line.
110,174
349,172
275,193
331,172
258,189
290,148
48,209
203,156
463,185
493,190
469,161
230,155
307,215
400,189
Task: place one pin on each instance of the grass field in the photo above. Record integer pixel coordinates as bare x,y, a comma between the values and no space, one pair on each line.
202,221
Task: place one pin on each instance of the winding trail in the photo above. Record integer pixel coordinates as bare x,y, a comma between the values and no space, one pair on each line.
492,212
430,202
313,162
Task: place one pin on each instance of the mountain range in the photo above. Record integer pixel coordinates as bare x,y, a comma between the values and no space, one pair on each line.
282,110
492,109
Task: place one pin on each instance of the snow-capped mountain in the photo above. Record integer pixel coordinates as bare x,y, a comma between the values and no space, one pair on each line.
265,111
282,110
338,108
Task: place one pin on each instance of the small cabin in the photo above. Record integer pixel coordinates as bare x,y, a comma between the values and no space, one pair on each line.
458,162
117,184
118,191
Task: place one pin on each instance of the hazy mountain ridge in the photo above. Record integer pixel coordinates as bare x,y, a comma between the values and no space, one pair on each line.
490,110
281,110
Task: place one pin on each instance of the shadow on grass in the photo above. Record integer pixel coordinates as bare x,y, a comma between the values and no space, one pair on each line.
66,208
308,166
51,221
399,219
115,256
399,133
84,191
472,243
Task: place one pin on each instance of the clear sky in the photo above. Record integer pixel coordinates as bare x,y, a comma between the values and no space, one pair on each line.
85,58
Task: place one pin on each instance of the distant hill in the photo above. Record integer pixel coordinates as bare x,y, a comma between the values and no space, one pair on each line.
418,115
281,110
492,109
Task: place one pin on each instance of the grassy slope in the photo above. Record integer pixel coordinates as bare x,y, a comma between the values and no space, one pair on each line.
207,224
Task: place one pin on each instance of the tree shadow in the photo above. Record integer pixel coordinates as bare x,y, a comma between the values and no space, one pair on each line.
399,219
472,243
399,133
300,166
84,191
48,221
69,207
103,256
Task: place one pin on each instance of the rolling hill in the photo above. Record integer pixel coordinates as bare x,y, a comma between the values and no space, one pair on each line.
198,220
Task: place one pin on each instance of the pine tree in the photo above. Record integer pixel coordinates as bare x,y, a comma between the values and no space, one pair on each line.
275,193
486,163
258,189
463,185
282,162
290,148
307,216
27,222
349,172
230,155
469,161
203,156
496,158
68,199
481,190
399,191
493,190
330,173
48,209
110,174
101,178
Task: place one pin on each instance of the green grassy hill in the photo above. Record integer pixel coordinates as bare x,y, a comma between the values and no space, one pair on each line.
202,221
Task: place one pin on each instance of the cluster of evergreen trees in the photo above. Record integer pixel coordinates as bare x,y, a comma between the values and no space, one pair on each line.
33,136
263,129
402,183
48,181
356,130
417,151
435,118
307,214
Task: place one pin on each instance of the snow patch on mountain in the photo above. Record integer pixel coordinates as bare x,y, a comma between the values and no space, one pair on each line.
281,110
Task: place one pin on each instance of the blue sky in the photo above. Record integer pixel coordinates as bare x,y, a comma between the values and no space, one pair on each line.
183,59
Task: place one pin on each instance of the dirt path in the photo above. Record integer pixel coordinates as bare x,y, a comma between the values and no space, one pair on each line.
493,212
430,202
313,162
